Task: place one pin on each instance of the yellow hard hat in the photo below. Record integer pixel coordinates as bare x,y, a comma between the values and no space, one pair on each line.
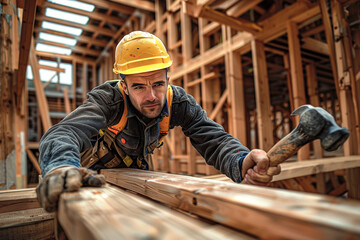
139,52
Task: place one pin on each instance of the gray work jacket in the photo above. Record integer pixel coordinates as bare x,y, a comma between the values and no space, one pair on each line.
62,144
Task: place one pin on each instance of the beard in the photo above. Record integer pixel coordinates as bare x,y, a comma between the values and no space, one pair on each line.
151,109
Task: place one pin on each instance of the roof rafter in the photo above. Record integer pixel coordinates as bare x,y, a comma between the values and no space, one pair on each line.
92,15
110,5
74,48
89,28
81,38
139,4
64,57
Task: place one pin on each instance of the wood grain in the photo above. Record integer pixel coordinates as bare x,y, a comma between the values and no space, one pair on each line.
111,213
16,200
264,212
305,168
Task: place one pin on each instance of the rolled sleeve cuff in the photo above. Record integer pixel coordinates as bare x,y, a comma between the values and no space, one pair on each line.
240,161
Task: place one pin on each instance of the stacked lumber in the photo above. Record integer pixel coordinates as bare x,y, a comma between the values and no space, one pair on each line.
111,213
263,212
21,216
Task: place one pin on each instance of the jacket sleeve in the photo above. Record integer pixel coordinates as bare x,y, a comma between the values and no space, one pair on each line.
216,146
62,144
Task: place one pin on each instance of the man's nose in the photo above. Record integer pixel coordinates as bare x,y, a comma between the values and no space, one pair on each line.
150,94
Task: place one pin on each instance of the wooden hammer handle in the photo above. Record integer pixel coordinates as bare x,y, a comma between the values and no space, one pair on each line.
286,147
283,149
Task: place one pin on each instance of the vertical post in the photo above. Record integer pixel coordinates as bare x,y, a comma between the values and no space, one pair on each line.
297,77
74,84
66,100
262,92
19,136
172,36
330,42
351,146
94,74
159,9
40,94
84,84
315,101
235,84
6,99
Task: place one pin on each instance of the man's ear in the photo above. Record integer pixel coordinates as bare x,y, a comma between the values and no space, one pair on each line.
124,87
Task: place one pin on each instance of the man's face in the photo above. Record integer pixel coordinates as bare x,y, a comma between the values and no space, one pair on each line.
147,91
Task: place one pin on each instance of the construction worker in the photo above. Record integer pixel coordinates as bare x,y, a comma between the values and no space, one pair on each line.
122,122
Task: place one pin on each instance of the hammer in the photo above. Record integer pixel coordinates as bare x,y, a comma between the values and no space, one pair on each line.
315,123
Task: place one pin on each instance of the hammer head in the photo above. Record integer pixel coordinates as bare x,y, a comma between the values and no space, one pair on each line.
317,123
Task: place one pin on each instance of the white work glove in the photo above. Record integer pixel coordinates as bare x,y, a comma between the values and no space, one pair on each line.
65,179
256,170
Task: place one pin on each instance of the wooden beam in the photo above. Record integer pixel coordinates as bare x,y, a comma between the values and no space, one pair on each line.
21,216
315,45
291,170
111,213
242,7
316,166
236,96
274,26
262,96
90,28
64,57
33,160
349,111
51,68
84,81
240,41
313,31
312,87
66,100
330,43
92,15
25,42
159,12
74,71
110,5
218,201
27,224
80,38
139,4
40,95
297,77
17,200
241,25
210,29
220,103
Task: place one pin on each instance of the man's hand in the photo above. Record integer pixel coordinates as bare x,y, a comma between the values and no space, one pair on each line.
256,170
65,179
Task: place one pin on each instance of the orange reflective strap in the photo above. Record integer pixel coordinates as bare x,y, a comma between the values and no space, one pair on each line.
165,123
120,126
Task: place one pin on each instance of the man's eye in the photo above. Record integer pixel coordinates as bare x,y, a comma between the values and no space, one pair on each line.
138,88
158,84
